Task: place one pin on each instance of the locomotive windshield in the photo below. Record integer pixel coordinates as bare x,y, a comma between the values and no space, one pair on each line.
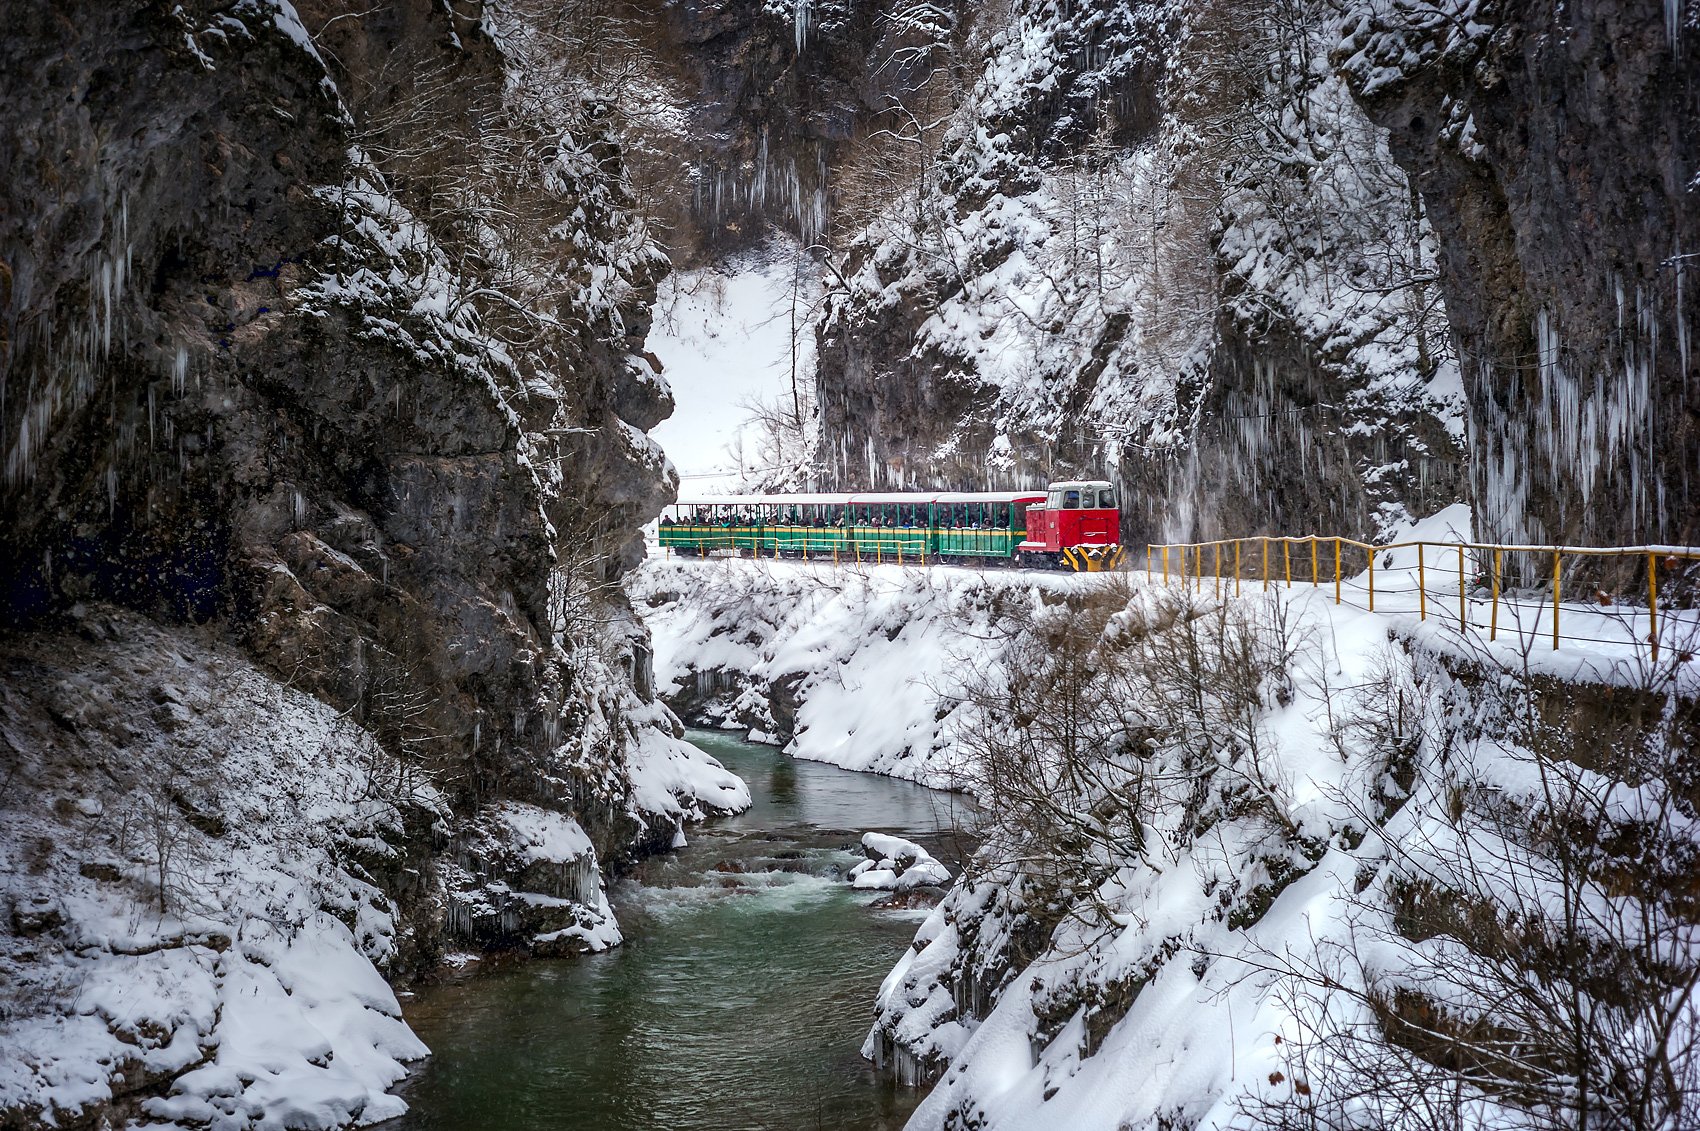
1081,496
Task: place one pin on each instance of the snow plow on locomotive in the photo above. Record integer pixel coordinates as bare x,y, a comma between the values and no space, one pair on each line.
1069,526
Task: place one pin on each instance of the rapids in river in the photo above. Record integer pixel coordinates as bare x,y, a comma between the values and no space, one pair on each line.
739,1000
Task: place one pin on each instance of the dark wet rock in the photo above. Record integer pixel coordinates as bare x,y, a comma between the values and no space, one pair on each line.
1555,149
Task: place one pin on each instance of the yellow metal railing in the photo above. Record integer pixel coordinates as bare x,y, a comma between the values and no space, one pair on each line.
1186,562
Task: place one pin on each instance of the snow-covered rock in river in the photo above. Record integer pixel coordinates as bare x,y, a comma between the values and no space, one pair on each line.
895,864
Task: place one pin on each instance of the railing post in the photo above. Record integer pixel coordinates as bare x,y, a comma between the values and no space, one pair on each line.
1315,580
1463,615
1557,591
1165,564
1336,571
1493,617
1266,565
1236,567
1218,549
1147,563
1653,604
1371,554
1287,561
1422,595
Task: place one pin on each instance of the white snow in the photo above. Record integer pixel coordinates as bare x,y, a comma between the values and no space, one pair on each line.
892,638
254,993
1175,990
543,834
895,864
727,338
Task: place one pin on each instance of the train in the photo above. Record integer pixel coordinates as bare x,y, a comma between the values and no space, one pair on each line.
1073,525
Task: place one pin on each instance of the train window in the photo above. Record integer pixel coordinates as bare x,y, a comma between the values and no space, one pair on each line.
1107,498
1071,500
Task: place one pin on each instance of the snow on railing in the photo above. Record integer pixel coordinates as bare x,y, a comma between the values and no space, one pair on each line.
1268,561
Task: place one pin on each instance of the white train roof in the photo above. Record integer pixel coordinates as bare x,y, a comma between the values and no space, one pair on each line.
911,498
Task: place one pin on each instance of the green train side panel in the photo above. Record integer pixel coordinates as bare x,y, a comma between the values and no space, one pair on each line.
809,540
704,538
889,544
863,543
958,542
688,536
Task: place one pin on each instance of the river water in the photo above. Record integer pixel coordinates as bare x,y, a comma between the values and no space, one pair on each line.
739,1000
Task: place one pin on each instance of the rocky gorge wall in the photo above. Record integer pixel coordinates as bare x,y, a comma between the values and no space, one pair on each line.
1198,270
320,361
1556,150
1283,267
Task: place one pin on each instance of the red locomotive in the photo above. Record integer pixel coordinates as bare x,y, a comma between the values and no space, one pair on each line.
1077,524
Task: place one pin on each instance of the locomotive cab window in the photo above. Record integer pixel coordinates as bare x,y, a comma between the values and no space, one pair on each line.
1107,498
1071,500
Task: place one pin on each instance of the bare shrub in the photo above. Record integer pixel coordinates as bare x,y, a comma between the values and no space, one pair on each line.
1530,951
1114,730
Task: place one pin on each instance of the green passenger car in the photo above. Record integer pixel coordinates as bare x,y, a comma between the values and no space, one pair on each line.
867,528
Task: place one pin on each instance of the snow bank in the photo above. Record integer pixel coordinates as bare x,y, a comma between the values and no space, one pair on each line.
194,849
1205,979
1188,973
859,667
671,777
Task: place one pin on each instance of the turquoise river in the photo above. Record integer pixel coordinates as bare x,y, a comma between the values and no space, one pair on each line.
739,1000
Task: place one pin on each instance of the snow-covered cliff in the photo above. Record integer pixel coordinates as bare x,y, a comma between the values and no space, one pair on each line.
322,423
1160,239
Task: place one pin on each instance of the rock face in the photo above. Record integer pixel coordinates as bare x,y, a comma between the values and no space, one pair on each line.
1271,271
1556,151
321,340
1159,242
772,100
247,383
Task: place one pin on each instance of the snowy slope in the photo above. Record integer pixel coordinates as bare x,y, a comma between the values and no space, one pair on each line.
1212,918
204,940
860,667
